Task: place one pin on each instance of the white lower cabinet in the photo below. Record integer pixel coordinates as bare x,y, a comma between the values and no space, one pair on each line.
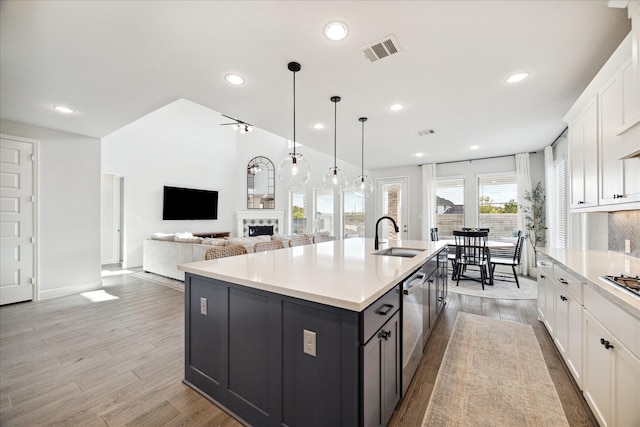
568,332
611,383
560,309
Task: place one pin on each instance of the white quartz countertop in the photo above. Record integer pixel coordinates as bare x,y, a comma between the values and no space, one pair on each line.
591,264
340,273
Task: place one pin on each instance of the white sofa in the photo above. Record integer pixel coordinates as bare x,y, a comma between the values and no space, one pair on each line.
162,253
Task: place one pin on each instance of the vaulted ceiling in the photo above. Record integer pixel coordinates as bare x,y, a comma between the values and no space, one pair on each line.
115,61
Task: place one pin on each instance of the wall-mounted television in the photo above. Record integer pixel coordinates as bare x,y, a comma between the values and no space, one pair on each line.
189,203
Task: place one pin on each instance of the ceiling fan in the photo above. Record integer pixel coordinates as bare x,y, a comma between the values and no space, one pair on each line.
243,127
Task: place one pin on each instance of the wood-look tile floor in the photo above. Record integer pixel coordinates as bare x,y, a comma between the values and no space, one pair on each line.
71,361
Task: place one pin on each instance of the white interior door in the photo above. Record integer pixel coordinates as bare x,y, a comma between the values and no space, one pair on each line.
393,201
17,213
110,232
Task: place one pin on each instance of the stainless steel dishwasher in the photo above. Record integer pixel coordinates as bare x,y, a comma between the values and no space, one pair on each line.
412,344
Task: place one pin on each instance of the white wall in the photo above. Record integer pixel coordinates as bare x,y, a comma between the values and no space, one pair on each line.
68,203
183,144
467,169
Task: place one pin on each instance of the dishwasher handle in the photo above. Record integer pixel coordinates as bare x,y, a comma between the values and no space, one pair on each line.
410,286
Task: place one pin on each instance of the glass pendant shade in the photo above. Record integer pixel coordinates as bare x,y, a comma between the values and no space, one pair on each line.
294,171
335,178
362,186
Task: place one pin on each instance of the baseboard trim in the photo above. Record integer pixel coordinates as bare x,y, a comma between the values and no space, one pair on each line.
69,290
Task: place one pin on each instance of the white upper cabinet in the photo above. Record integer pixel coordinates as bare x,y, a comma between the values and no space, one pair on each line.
604,132
583,157
619,178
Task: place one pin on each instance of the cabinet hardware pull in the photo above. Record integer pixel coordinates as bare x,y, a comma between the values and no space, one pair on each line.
564,282
605,343
563,298
580,202
385,309
384,334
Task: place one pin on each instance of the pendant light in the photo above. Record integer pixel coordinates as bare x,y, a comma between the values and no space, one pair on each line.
294,170
334,177
362,185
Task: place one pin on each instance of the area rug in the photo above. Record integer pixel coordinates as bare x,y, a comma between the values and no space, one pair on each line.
501,289
161,280
493,374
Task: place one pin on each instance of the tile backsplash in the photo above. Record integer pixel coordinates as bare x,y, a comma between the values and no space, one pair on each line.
624,225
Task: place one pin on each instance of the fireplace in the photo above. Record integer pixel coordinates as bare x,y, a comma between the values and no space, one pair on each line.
257,218
260,230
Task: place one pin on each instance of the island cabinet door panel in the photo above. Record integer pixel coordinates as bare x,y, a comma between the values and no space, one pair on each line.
319,389
381,374
248,346
232,340
205,351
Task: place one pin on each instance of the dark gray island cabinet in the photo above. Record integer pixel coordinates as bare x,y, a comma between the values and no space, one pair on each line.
275,360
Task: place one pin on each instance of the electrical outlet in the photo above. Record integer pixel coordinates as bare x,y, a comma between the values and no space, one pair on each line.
309,342
203,306
627,246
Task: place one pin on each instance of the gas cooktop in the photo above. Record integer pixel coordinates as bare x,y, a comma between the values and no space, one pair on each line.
630,283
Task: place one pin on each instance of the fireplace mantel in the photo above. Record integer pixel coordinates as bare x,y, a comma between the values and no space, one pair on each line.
260,217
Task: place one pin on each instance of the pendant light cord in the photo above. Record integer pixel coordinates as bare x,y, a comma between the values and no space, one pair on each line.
362,163
335,134
294,114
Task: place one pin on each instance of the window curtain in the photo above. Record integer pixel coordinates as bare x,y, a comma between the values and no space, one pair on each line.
523,178
428,200
550,193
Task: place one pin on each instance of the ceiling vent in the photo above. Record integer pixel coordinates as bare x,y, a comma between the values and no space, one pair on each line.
424,132
381,49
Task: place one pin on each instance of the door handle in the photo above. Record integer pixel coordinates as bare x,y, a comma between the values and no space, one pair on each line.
385,309
384,334
605,343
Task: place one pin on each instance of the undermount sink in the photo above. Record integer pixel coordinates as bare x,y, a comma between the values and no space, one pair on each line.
402,252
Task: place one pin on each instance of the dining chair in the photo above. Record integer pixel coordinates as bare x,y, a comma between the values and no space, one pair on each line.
224,251
476,229
510,261
472,250
268,246
299,241
321,238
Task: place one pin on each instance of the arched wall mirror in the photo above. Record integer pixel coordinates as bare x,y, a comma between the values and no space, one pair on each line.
261,190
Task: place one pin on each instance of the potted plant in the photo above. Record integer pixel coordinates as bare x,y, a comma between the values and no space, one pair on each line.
534,220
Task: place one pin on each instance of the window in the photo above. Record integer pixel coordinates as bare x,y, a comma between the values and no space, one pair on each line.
449,206
560,208
498,204
352,214
323,215
298,203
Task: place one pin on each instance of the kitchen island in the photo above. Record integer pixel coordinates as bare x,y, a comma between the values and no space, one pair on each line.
309,335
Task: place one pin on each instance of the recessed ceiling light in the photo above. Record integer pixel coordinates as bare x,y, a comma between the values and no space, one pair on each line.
396,107
474,147
63,109
318,126
336,31
514,78
419,154
234,79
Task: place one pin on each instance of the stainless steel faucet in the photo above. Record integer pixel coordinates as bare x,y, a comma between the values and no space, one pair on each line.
376,246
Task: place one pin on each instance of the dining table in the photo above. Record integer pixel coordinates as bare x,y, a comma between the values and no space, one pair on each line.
491,244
